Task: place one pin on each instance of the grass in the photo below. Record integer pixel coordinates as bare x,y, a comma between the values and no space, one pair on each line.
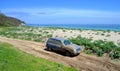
12,59
25,33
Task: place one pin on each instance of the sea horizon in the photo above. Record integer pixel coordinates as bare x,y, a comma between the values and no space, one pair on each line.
112,27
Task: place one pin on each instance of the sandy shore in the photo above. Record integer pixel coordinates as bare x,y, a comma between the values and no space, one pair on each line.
94,35
68,33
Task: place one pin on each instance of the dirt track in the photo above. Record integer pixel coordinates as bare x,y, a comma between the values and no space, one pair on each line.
82,62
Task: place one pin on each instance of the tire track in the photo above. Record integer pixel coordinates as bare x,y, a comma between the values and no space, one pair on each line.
82,62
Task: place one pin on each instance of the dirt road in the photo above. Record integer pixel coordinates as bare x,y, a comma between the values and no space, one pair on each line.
82,62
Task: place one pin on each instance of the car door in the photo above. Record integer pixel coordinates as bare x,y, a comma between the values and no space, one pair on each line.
59,45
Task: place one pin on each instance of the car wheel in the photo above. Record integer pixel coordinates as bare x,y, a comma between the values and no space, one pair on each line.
67,53
49,49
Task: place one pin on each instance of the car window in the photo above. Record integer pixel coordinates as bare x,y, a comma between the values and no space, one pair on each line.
67,42
58,42
51,40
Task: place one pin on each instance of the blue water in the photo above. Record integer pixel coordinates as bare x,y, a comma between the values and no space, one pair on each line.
114,27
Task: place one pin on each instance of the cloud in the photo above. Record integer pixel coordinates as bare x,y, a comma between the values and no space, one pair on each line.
62,12
14,13
46,13
54,15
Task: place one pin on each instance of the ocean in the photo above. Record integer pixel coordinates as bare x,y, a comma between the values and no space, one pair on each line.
114,27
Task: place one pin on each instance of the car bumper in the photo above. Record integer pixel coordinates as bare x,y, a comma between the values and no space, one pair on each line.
76,53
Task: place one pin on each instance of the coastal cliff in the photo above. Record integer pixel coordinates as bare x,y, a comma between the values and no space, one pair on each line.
10,21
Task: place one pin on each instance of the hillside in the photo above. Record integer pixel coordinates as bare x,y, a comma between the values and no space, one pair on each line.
9,21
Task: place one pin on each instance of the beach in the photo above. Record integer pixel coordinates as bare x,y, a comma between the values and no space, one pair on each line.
32,40
46,32
105,35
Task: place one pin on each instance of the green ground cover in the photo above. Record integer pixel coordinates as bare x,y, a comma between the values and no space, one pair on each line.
98,47
12,59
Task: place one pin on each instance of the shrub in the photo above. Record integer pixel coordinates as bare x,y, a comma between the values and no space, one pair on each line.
99,43
100,52
105,46
115,54
88,51
64,30
118,42
28,38
95,50
111,56
102,34
108,47
49,35
37,40
98,47
108,35
119,33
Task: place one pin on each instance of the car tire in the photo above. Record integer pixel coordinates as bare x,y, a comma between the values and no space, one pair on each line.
49,49
67,53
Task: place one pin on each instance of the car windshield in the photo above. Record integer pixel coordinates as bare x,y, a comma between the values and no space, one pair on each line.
67,42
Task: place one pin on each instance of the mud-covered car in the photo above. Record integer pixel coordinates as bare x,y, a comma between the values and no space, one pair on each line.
63,45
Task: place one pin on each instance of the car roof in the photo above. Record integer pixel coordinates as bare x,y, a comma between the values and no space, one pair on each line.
57,38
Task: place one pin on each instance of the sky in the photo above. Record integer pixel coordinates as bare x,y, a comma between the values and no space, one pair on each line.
63,11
